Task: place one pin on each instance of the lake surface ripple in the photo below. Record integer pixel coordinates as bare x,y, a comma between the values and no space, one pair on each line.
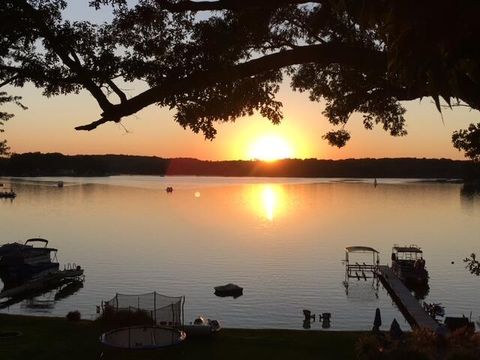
281,239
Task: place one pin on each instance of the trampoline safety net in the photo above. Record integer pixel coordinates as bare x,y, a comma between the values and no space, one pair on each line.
164,310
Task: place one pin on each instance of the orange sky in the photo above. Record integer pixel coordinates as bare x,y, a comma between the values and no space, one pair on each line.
48,126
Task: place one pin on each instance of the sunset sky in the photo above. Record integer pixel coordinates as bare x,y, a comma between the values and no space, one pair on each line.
48,126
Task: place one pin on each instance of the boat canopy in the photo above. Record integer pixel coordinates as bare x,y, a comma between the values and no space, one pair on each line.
361,249
408,249
44,241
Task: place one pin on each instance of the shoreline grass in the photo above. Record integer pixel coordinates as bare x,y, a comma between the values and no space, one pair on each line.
56,338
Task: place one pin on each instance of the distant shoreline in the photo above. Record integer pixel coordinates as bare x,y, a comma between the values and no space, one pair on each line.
55,164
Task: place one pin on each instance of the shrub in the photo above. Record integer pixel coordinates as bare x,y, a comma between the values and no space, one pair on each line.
74,316
410,354
463,354
368,348
115,319
424,340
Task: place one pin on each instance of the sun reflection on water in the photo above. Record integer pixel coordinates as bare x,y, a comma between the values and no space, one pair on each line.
268,200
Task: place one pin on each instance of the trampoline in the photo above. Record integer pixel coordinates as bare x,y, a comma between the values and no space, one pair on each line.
163,319
142,337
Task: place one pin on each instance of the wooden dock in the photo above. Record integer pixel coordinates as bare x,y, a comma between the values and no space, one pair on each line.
49,281
408,305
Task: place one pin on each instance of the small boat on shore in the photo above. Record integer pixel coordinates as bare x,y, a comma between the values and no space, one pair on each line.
229,290
202,327
456,323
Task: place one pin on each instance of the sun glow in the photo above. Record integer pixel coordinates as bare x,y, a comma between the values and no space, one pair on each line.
270,148
268,200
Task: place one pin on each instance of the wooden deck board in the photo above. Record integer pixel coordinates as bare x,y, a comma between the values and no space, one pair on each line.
410,307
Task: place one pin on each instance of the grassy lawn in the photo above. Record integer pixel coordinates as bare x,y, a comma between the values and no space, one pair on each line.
56,338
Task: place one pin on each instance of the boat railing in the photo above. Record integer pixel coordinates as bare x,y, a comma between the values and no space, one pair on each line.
70,266
361,270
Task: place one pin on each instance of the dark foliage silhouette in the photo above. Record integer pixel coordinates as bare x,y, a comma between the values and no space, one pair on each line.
74,316
5,116
469,141
472,264
214,61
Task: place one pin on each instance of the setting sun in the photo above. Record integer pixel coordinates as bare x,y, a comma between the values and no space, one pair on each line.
270,148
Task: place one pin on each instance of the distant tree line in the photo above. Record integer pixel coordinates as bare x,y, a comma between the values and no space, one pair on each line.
56,164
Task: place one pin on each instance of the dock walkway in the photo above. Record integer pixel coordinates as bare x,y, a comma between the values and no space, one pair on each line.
49,281
408,305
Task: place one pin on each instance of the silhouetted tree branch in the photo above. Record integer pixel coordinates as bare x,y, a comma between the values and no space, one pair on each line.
5,116
360,56
469,141
320,54
64,51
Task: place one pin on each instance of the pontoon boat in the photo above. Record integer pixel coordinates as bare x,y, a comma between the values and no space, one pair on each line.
26,258
408,264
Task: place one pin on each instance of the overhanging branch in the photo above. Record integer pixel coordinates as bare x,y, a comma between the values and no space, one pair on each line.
8,81
63,51
321,54
117,90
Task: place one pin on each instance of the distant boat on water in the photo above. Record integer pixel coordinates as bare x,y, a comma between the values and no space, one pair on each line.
229,290
8,194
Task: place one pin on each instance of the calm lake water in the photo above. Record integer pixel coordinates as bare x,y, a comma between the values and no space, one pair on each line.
281,239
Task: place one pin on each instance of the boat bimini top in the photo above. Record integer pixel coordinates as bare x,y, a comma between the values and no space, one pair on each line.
361,249
407,249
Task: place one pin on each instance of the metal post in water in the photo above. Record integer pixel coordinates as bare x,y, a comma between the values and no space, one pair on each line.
155,307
